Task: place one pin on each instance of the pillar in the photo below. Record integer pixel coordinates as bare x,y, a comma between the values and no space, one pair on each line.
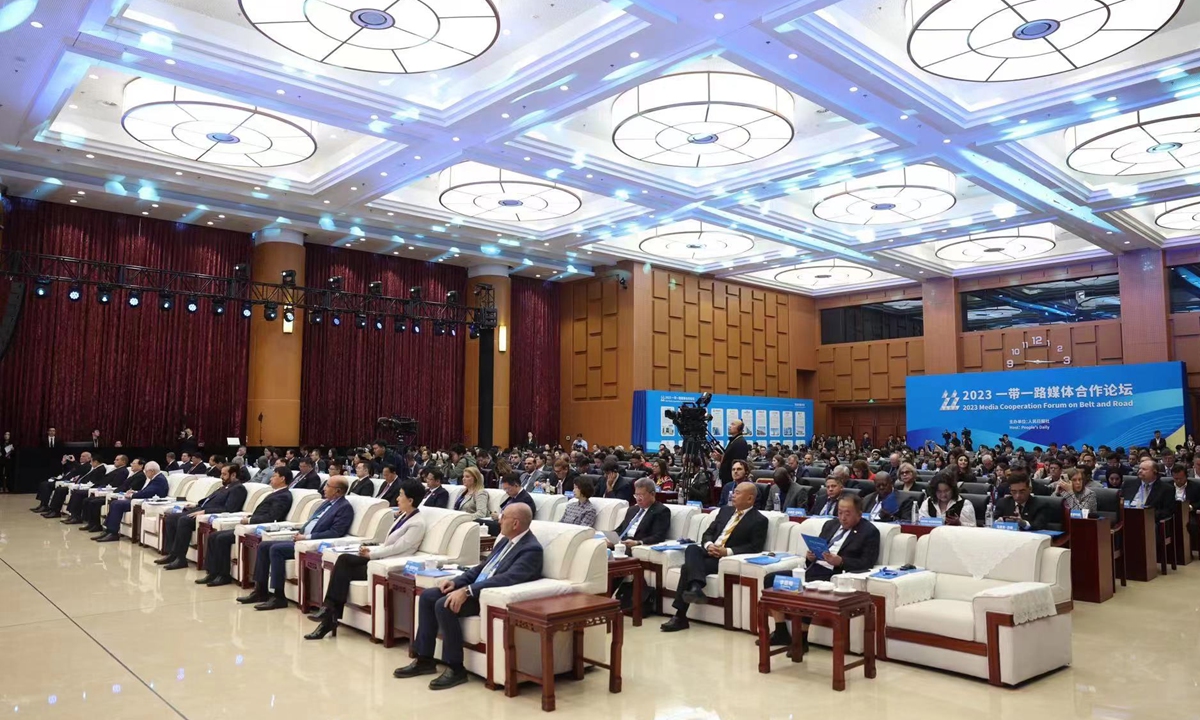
475,385
1145,305
943,326
273,390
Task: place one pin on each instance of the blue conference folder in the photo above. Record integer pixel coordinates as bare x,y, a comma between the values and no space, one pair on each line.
818,545
768,559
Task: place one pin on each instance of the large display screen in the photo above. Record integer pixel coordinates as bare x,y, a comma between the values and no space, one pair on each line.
785,420
1113,405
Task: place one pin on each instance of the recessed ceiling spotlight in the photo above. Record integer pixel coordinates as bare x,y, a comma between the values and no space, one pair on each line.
564,88
94,77
526,158
395,252
946,141
391,214
90,156
903,117
504,115
455,139
537,276
326,202
589,176
1023,121
73,201
374,117
853,89
635,55
73,106
177,172
719,16
210,222
80,192
1112,98
546,244
257,187
145,213
353,187
169,61
382,174
410,247
1126,242
280,92
154,205
221,217
792,56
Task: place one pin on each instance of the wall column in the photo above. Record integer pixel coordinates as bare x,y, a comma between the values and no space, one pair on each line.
275,356
1145,304
497,277
943,325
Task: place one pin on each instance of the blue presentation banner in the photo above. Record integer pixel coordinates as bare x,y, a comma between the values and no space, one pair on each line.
786,420
1114,405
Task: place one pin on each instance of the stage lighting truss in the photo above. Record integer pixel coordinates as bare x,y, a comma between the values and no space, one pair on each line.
1154,140
380,36
1000,246
898,196
835,273
1180,215
210,129
703,119
1005,40
694,241
482,192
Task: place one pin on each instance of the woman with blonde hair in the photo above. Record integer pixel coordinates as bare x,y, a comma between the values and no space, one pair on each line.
473,499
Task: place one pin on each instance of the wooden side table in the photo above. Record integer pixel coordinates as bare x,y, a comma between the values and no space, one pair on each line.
836,608
399,606
486,543
632,569
546,616
135,530
247,556
1141,559
310,573
203,530
1091,559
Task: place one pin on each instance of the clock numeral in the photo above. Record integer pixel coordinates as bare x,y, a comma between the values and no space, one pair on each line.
1009,363
1016,352
1037,340
1059,349
1066,360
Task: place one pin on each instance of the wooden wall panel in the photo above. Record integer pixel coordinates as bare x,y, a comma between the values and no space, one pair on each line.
595,372
1096,343
858,372
1047,273
1185,345
720,336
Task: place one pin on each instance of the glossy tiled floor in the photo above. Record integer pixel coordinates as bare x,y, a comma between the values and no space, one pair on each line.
99,631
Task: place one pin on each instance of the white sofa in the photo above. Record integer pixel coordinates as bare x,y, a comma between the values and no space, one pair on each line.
573,561
683,517
950,618
255,492
304,504
609,513
550,508
372,518
451,538
177,487
154,514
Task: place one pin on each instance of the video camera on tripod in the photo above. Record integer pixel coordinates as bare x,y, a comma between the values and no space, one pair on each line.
692,421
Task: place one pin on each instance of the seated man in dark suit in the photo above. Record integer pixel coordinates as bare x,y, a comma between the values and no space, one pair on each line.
172,463
511,485
738,529
94,477
1016,506
516,559
273,508
884,504
79,497
72,473
215,462
156,486
1186,491
785,492
436,495
615,487
390,488
94,504
648,521
198,465
307,477
1148,492
740,470
331,520
179,526
362,484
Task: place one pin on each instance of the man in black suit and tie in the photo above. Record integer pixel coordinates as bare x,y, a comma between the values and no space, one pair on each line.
1148,492
737,530
615,487
516,559
93,505
436,495
71,472
78,497
94,476
272,509
1186,491
1158,443
1016,506
884,504
179,526
172,463
648,521
511,485
390,489
51,440
363,484
307,479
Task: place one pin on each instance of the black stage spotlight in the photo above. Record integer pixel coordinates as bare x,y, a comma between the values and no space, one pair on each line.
41,287
271,312
289,314
439,328
336,320
75,293
414,292
315,317
135,298
192,305
360,321
416,326
473,331
375,288
289,278
241,271
247,309
166,301
452,297
218,307
104,294
399,324
379,322
453,330
335,283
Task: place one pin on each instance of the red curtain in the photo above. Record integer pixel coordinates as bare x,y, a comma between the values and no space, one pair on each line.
136,374
534,361
352,377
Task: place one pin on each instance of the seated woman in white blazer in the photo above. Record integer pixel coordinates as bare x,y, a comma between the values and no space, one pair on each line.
473,499
404,538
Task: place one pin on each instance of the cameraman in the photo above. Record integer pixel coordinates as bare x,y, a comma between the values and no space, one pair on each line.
735,449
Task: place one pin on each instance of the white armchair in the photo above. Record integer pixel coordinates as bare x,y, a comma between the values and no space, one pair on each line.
550,508
372,518
451,538
255,492
176,484
304,504
609,513
154,514
573,561
454,491
994,604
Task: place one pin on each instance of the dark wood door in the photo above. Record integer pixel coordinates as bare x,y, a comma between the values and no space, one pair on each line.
877,421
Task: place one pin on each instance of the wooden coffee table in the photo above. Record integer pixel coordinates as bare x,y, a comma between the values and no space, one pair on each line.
836,608
628,567
399,606
546,616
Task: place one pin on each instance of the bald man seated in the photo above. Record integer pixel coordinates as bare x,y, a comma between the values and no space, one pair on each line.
737,530
332,519
516,559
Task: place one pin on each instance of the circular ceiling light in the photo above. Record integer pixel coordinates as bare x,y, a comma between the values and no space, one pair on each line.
210,129
382,36
1021,39
694,241
487,193
1000,246
1155,140
906,195
703,119
1180,215
835,273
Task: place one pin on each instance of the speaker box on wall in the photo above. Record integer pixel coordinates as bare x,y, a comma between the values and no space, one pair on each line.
12,311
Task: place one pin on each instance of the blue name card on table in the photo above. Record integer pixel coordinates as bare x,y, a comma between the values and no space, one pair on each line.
787,583
1006,525
431,573
934,521
539,491
1077,514
324,546
796,512
570,494
412,567
695,503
